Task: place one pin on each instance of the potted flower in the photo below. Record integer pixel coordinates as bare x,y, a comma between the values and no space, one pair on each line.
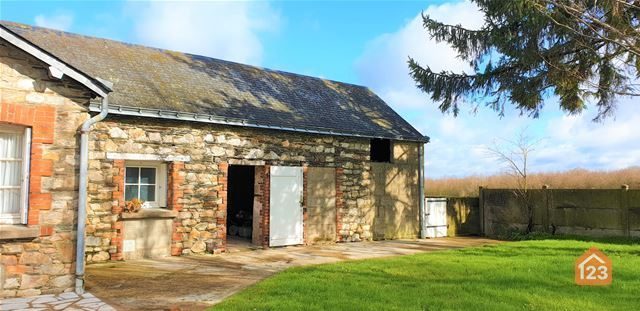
133,206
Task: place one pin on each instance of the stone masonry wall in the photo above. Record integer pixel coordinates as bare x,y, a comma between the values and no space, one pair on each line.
42,262
211,148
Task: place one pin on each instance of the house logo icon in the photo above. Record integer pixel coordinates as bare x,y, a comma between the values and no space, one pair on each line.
593,268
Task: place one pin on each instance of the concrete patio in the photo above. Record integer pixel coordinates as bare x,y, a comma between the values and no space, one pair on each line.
196,282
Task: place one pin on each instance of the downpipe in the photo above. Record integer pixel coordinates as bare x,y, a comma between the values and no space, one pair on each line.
421,209
82,191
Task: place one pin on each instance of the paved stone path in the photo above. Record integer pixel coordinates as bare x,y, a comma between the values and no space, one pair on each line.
64,301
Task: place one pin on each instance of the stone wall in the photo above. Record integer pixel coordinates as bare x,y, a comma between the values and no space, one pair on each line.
260,207
39,258
206,151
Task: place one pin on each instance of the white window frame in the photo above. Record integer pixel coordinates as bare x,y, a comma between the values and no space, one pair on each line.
161,182
22,217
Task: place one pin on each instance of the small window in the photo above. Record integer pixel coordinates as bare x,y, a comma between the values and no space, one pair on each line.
146,182
380,150
15,150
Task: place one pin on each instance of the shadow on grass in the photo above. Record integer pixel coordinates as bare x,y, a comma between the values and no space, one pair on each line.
537,236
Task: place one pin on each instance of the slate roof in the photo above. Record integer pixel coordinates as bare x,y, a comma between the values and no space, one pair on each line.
150,78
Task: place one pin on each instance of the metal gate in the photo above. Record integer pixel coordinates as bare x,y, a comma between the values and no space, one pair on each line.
436,217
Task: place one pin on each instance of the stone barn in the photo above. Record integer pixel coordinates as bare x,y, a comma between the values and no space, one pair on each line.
115,151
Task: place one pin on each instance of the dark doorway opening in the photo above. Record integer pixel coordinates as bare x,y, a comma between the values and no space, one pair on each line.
240,187
381,150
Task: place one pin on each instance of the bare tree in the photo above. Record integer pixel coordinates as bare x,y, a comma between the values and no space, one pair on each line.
515,156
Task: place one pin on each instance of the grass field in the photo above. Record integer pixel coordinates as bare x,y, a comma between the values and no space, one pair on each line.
525,275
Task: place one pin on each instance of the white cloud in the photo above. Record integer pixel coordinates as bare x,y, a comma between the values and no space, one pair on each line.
227,30
457,144
59,20
383,65
576,141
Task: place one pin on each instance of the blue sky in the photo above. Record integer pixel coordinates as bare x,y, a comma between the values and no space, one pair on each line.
361,42
319,38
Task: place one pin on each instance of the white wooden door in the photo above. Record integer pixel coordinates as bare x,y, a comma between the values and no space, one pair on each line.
285,206
436,217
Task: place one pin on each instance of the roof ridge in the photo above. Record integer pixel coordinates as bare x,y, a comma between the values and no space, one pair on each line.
27,26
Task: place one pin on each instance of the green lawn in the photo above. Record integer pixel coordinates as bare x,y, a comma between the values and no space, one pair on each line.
526,275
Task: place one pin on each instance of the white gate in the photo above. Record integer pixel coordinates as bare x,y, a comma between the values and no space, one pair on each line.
285,206
436,217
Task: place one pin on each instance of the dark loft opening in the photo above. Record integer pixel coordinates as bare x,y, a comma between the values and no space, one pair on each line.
240,185
380,150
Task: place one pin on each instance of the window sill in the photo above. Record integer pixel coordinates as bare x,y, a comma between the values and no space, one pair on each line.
151,213
16,232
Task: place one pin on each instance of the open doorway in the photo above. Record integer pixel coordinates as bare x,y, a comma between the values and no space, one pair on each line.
240,186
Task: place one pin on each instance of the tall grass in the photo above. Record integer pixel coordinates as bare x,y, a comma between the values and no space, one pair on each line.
573,179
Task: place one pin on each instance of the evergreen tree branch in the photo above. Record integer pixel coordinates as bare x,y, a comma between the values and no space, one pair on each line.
576,49
466,41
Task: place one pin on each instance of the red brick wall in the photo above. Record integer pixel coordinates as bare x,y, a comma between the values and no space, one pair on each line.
266,192
41,119
221,217
118,207
175,182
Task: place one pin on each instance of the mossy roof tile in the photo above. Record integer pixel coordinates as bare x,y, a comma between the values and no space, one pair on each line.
145,77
